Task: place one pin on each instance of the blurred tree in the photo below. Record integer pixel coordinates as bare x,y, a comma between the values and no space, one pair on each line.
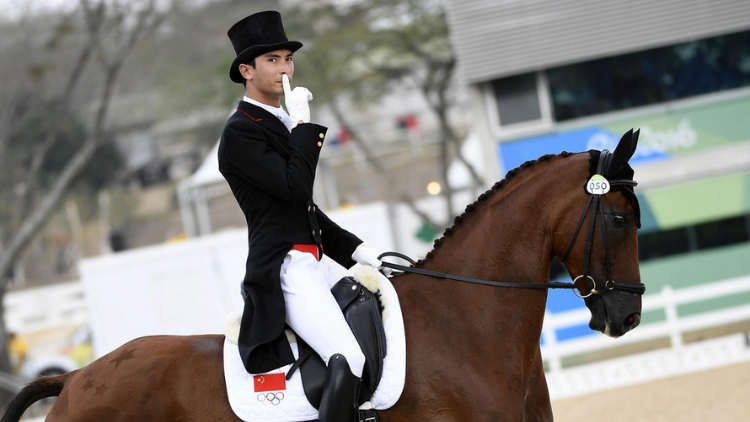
50,132
366,49
414,39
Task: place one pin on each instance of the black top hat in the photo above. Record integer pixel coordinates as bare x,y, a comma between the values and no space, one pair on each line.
257,34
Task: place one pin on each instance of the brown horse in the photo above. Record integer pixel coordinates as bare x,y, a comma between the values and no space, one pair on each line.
473,350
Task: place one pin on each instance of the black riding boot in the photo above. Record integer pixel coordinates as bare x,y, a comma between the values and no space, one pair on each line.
339,402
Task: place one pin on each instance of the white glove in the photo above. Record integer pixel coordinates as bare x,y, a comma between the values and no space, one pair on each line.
296,101
366,255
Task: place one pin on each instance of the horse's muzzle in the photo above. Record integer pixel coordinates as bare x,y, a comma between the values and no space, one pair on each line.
615,314
615,328
630,322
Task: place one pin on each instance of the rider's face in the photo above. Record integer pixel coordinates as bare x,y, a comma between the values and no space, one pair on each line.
264,81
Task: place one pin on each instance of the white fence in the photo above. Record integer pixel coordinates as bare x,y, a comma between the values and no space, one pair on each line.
46,307
673,327
57,305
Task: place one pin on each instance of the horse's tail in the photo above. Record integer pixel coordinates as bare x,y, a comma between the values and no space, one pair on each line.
38,389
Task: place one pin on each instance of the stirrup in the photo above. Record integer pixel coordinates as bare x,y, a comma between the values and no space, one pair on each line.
368,415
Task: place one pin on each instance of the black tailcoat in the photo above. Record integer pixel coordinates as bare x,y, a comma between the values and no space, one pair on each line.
271,174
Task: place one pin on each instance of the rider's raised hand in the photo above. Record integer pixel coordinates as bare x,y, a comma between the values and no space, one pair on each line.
296,101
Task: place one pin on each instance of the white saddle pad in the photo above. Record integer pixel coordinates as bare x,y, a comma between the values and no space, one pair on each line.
270,398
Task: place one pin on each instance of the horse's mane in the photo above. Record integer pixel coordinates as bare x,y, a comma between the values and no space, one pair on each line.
487,195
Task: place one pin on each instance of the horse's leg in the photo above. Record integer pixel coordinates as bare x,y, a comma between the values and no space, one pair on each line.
150,379
538,406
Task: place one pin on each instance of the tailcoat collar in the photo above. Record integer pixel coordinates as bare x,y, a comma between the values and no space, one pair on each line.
263,118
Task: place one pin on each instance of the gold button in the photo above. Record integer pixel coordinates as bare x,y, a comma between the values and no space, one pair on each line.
320,144
313,209
321,136
313,232
308,208
320,232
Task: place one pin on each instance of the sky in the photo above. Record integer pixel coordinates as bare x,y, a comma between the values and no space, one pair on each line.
13,9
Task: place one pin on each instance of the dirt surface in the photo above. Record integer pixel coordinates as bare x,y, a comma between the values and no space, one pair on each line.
716,395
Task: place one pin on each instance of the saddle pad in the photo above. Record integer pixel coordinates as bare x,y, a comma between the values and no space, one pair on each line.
268,405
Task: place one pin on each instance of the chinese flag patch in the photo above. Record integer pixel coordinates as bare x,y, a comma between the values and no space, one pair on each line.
269,382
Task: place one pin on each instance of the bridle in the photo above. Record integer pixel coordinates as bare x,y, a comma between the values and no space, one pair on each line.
609,285
595,203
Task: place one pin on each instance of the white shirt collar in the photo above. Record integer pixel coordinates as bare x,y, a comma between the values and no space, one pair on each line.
276,111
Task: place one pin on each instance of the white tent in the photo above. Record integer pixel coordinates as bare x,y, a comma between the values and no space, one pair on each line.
195,192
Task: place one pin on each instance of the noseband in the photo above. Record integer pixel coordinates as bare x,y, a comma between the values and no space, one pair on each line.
595,203
609,285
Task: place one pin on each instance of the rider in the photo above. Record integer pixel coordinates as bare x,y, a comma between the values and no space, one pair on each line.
269,157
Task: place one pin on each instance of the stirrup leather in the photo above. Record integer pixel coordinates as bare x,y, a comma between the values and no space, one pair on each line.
368,415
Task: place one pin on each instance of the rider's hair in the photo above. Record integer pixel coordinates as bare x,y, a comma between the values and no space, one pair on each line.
252,64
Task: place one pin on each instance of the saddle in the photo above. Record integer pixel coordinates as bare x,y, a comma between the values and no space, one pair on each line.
363,313
274,397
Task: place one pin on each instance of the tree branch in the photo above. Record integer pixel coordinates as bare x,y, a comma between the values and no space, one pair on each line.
46,206
439,105
58,116
378,167
5,117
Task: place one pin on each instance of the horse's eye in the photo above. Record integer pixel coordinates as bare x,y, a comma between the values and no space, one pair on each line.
620,219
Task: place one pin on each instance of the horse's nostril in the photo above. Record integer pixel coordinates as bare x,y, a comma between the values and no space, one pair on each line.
632,320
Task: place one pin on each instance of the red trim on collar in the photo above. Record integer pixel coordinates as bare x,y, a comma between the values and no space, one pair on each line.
254,119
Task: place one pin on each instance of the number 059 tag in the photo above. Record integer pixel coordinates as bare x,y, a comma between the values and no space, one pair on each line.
597,185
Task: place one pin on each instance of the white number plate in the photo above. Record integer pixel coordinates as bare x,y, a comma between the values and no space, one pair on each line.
597,185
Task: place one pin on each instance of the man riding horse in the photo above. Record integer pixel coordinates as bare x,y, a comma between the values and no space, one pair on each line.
269,157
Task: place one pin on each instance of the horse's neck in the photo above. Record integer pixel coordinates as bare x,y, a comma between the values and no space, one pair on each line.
480,340
503,239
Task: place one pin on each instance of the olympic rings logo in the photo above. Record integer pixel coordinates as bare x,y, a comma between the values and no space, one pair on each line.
271,398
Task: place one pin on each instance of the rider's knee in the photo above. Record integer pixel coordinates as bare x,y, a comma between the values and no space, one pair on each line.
356,361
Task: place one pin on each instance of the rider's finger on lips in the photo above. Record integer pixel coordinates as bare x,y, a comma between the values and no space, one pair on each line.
285,83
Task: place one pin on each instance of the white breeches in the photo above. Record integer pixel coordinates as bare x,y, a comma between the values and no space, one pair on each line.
312,311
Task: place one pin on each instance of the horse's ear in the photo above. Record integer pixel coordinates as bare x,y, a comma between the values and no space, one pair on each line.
625,149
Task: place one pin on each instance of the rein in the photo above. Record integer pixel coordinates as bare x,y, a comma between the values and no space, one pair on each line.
438,274
609,285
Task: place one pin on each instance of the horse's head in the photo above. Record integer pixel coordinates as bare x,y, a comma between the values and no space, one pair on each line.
600,225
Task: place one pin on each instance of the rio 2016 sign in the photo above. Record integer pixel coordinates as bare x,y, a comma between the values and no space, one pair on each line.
652,142
663,135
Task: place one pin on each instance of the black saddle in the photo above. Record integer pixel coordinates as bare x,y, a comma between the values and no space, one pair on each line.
362,311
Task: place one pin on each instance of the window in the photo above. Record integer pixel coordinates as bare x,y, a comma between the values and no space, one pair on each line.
722,233
517,99
692,238
651,76
663,243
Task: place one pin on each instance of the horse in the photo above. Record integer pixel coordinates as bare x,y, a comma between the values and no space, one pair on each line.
473,350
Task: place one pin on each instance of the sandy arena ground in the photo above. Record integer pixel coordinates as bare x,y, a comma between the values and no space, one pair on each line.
716,395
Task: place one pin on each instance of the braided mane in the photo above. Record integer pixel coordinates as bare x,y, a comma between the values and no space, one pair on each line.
487,195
